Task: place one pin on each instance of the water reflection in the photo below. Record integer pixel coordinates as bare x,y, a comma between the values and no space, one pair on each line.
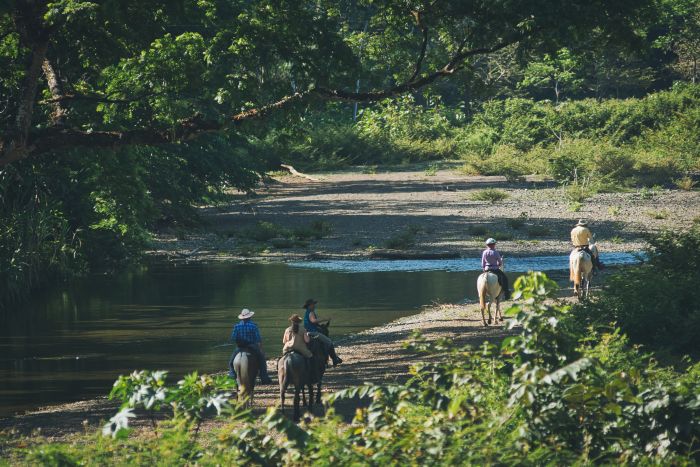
71,342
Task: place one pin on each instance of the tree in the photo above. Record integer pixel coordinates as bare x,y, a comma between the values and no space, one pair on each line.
559,71
151,72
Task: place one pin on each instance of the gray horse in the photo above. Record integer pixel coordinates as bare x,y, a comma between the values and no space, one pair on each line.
246,366
293,369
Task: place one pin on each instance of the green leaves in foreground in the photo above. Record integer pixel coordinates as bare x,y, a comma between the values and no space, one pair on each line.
554,393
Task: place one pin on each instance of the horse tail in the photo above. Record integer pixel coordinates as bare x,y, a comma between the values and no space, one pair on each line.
482,288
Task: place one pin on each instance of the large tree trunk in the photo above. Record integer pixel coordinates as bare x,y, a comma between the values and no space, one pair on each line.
28,18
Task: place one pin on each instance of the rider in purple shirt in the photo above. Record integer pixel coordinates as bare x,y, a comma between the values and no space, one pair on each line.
492,261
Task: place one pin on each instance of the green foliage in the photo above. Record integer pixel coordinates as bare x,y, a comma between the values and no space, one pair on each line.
656,303
281,237
517,222
556,392
491,195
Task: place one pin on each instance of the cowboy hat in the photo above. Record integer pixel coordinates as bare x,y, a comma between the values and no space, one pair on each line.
246,314
310,301
491,241
295,318
581,222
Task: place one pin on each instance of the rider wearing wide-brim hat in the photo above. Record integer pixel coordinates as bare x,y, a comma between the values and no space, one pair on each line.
581,238
492,261
311,322
246,336
296,338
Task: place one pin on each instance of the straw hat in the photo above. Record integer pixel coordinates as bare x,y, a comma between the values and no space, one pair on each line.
246,314
581,222
295,318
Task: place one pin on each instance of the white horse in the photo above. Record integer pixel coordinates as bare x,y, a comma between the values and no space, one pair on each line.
581,270
487,284
246,366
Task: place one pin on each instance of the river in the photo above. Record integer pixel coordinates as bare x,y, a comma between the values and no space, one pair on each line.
71,341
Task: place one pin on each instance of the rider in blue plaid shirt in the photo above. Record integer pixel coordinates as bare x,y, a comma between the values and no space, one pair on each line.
246,335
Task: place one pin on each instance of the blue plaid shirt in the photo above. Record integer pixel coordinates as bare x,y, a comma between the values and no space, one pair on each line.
245,332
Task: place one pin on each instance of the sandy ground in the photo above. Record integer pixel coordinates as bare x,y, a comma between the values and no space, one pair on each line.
365,210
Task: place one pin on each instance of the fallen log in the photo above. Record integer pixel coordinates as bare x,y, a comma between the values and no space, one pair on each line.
295,172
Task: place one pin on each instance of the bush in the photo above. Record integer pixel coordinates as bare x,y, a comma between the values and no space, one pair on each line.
401,241
657,303
491,195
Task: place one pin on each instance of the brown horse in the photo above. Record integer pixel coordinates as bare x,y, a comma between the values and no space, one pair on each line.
319,362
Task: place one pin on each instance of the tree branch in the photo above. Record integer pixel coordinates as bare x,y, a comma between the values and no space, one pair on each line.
53,138
424,45
59,113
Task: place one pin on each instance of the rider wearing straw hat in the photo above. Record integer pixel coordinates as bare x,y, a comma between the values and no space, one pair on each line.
492,261
247,336
295,338
581,238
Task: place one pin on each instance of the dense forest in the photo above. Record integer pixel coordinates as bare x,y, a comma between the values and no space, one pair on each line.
119,117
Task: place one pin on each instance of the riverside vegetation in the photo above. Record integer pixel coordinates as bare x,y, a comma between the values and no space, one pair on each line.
577,384
116,123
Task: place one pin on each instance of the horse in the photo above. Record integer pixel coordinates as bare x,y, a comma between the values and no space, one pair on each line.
581,270
246,366
293,368
487,284
319,362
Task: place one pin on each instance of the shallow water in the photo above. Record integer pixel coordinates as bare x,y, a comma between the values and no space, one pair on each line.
72,341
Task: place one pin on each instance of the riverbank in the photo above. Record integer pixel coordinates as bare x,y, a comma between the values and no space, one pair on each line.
373,356
418,213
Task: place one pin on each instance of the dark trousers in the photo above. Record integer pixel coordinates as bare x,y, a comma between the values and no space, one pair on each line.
502,279
255,350
594,258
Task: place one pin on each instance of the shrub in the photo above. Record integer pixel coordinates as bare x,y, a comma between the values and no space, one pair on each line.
657,214
477,230
491,195
686,183
537,231
517,222
657,303
401,241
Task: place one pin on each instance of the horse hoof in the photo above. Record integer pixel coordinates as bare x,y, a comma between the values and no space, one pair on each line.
490,321
486,324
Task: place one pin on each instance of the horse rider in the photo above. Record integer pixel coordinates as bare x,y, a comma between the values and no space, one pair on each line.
247,337
311,323
296,338
581,237
492,261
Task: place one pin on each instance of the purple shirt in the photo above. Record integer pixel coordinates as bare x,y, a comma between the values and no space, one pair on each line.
491,259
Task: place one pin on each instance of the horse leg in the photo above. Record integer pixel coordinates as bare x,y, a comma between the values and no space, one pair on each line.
296,403
318,392
310,388
489,308
498,311
482,306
